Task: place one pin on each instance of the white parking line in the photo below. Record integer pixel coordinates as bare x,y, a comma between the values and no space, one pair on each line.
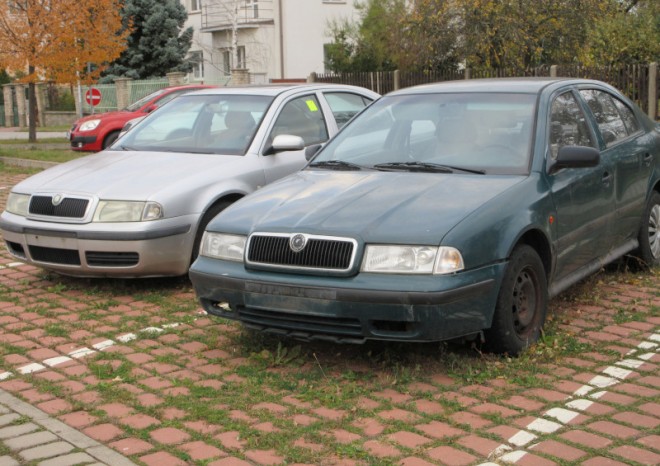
83,352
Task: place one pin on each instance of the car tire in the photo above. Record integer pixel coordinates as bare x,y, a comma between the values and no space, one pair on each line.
649,233
521,304
110,138
214,210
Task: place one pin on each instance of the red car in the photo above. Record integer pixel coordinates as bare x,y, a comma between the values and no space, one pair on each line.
96,132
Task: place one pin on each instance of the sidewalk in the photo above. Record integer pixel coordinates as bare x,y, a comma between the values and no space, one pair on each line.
22,133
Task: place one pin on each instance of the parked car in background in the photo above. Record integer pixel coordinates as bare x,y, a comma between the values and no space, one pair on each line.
443,211
139,208
97,132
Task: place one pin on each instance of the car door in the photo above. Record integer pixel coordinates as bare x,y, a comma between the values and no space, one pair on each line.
583,197
299,116
625,146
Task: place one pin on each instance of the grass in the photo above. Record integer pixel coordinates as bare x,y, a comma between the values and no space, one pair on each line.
37,151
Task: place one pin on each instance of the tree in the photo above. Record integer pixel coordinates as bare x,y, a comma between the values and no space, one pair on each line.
56,39
373,44
157,43
631,34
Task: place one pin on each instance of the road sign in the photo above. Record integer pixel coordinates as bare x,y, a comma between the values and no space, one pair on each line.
93,97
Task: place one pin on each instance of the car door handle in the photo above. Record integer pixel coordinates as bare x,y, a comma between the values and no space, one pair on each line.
607,177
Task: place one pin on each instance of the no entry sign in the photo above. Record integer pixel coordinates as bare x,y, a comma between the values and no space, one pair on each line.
93,97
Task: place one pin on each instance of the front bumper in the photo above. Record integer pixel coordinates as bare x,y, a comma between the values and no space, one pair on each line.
83,143
140,249
367,306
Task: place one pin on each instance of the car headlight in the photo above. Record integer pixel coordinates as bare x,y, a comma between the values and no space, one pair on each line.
222,246
412,259
89,125
127,211
18,203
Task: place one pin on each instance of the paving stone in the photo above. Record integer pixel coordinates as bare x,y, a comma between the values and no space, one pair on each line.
30,440
46,451
451,456
8,461
637,455
68,460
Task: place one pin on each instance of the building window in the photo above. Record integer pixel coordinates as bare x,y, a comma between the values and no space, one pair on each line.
197,60
195,5
241,57
252,7
228,59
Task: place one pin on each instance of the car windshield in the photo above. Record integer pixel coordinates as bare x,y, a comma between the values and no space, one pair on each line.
439,132
137,105
209,124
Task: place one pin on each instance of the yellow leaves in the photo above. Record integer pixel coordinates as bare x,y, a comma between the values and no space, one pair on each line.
60,37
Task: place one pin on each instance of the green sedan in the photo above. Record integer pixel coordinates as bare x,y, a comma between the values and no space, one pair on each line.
445,211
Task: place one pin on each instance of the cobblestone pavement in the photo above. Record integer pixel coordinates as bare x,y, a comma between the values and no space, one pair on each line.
133,372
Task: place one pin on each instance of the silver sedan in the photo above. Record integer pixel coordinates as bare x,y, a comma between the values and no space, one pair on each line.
140,207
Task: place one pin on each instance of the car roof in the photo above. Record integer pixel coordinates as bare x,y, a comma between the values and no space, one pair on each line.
277,89
518,85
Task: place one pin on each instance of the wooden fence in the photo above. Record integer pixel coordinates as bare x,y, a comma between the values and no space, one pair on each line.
641,83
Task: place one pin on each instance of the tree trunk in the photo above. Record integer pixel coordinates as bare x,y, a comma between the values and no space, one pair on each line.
32,108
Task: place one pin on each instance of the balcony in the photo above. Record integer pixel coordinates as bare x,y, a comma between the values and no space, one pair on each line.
221,15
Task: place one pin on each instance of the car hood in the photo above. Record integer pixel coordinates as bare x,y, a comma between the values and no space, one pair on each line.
131,175
419,208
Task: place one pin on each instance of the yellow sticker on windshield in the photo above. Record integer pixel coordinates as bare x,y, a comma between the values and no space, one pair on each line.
311,105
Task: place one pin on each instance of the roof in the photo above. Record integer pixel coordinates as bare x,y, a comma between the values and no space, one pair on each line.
277,89
519,85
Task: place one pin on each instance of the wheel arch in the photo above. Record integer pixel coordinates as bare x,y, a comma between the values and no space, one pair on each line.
539,242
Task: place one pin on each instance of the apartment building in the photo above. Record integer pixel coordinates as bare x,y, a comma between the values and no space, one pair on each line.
271,39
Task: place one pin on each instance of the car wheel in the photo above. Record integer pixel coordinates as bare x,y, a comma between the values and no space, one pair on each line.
649,233
110,138
214,210
521,304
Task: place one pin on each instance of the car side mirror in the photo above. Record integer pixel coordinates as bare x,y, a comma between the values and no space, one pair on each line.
575,157
311,151
286,142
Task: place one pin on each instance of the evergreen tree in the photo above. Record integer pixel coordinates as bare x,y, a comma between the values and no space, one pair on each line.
157,44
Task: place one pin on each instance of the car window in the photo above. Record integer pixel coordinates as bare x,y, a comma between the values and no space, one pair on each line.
610,123
209,123
137,105
302,117
345,105
568,126
629,118
477,131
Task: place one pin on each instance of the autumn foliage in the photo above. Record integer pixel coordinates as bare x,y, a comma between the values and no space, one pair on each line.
57,40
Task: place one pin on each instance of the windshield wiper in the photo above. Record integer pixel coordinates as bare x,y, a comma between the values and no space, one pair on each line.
425,167
337,164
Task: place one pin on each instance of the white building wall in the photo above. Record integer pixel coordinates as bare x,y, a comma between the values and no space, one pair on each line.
291,48
305,30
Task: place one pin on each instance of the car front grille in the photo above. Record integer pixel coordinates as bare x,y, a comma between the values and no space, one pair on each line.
320,252
55,255
111,259
69,207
